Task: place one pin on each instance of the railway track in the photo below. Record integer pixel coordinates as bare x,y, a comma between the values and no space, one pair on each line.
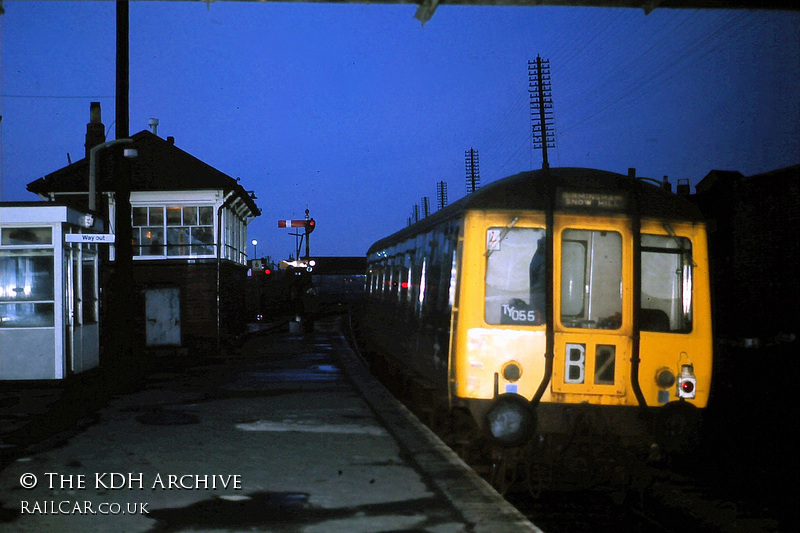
634,497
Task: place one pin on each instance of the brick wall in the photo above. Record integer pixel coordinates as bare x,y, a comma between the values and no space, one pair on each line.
197,284
754,245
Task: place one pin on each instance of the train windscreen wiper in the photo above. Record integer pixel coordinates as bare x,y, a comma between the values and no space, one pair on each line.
503,235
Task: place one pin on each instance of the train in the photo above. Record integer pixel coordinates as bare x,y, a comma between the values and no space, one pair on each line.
552,295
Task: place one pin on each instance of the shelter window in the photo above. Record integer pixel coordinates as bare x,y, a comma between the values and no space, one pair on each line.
515,278
26,236
666,284
591,279
27,285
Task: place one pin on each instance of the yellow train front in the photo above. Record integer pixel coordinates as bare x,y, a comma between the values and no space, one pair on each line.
551,292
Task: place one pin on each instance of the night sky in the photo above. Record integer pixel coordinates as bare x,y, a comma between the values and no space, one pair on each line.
357,111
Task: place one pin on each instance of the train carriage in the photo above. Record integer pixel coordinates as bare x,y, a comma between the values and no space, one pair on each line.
549,290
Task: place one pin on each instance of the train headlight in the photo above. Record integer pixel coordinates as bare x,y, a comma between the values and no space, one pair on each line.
510,420
512,371
665,378
687,382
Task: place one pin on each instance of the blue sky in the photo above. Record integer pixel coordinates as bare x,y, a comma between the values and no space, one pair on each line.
357,111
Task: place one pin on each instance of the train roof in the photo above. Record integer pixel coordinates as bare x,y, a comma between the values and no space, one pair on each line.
529,191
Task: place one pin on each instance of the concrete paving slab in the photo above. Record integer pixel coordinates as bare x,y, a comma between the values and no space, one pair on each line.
288,436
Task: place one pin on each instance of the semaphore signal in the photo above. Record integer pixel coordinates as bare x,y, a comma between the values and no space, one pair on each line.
308,224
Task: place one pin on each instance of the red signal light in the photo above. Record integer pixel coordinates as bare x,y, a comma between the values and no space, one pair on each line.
687,382
267,271
310,225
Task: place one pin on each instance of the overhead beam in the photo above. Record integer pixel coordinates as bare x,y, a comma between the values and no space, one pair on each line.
426,8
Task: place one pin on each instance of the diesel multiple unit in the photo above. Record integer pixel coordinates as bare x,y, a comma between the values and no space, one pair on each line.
548,290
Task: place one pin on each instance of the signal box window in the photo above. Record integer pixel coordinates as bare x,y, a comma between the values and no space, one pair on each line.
591,279
515,279
173,231
666,284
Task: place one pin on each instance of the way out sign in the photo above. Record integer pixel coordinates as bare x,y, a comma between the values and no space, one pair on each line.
106,238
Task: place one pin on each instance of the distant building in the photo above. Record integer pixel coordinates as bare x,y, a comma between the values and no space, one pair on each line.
339,279
189,224
754,223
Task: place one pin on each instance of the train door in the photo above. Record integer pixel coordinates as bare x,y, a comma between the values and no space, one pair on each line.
592,344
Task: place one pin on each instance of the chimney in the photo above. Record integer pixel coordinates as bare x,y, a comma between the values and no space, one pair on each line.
153,122
95,131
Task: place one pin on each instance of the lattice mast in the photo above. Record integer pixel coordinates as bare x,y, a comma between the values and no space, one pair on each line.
541,106
425,207
414,215
441,194
473,172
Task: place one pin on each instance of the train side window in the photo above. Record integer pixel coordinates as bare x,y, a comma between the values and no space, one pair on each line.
591,279
515,276
403,281
381,281
434,277
422,287
406,283
666,284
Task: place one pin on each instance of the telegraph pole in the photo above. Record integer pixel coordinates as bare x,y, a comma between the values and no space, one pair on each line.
123,79
414,215
473,174
426,206
122,293
541,106
441,194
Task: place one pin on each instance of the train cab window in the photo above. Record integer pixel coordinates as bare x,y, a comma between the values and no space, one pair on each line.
666,284
591,279
515,283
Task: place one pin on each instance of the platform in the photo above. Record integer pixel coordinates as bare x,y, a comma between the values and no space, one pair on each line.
292,434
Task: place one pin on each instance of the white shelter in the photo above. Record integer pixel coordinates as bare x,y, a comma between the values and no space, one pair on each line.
49,295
